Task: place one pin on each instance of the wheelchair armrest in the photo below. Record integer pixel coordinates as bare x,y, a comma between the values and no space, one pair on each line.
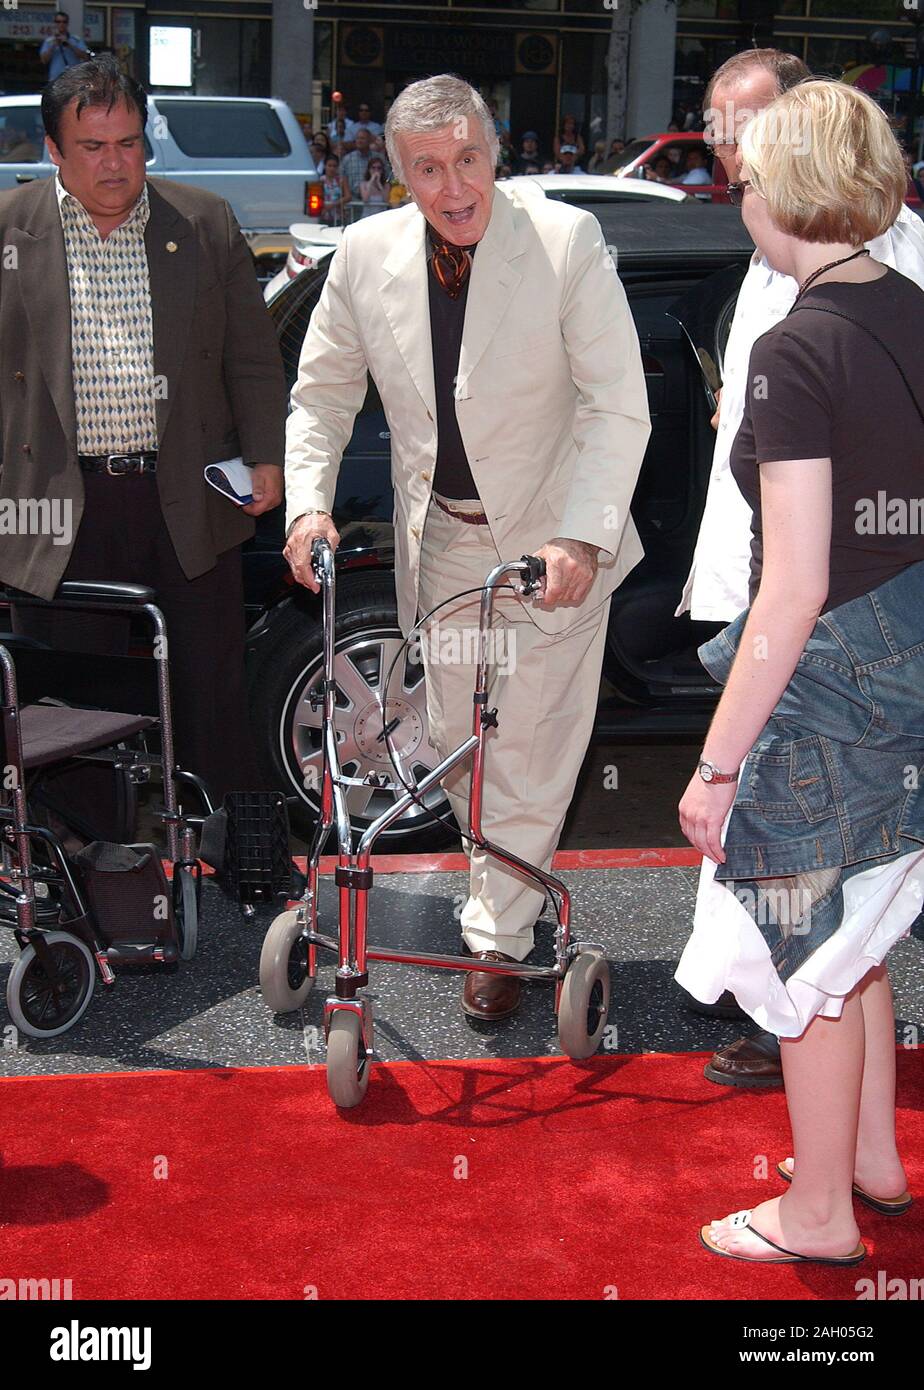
104,591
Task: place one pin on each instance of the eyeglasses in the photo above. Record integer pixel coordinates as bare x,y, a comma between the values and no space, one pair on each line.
736,192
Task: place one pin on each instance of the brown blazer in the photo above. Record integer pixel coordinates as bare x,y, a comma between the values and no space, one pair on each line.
215,351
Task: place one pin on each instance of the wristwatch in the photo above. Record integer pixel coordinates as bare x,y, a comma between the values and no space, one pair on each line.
711,774
312,511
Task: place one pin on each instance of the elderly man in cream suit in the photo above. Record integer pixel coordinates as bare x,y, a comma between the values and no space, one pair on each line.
499,337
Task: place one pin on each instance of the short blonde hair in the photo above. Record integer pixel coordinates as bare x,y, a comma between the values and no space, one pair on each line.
824,157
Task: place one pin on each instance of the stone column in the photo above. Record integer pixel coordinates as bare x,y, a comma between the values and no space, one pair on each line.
652,54
293,52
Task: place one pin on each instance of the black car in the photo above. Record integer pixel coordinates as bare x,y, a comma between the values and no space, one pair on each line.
677,262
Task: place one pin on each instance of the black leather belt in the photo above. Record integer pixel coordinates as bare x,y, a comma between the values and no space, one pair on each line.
119,464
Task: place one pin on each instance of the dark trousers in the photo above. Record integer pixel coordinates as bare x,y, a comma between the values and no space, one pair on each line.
123,537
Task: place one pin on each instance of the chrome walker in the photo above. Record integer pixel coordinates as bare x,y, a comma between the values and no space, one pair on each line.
288,962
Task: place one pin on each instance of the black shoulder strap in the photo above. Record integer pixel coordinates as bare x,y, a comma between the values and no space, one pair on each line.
819,309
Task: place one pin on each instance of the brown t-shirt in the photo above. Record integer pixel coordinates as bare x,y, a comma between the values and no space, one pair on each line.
820,387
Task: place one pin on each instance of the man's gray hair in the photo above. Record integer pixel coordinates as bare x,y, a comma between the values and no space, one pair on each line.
431,104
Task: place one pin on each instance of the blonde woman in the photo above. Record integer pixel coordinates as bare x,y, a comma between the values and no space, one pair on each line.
809,797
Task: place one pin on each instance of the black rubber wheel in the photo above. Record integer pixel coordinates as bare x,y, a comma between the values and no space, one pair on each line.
186,910
43,1005
289,665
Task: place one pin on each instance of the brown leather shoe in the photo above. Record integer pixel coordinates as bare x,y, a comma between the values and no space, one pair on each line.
747,1062
489,996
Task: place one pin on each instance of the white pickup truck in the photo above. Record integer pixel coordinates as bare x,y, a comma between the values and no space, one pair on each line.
249,150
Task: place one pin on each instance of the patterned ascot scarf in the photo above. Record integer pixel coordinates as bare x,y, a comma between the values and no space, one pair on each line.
451,264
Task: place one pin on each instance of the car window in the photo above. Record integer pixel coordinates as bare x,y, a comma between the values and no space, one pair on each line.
686,149
22,135
221,130
634,150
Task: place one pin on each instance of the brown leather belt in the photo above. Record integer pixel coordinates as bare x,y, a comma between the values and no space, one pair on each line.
473,518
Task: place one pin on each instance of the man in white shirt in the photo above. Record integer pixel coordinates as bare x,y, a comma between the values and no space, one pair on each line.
717,587
696,169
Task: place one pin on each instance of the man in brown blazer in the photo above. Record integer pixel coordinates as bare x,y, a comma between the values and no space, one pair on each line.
135,349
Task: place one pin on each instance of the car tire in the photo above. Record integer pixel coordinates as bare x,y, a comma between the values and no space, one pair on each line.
288,664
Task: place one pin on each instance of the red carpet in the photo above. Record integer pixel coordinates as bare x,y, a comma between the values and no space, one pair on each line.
582,1178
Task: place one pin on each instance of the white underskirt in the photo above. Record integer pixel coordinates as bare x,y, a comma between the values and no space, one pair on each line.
726,950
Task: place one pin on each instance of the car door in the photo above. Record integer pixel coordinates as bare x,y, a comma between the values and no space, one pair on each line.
705,316
363,505
651,654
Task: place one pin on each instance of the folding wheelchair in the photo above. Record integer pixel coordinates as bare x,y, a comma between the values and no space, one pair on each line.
79,902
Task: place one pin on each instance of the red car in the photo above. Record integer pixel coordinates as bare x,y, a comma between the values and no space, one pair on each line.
641,158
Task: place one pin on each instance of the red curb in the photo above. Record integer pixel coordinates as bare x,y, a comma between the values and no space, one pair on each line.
564,859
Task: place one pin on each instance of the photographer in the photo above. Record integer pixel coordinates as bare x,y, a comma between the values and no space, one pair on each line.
61,50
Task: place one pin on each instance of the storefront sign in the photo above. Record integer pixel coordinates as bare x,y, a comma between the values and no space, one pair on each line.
26,24
419,48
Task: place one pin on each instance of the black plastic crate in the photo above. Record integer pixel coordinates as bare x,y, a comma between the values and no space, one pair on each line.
257,862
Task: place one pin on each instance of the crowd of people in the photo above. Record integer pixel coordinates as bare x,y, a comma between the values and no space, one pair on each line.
358,180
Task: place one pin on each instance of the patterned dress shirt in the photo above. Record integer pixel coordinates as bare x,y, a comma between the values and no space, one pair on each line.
112,336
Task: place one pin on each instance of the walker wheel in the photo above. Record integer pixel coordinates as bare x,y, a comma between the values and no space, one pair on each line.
347,1060
186,911
43,1006
284,979
584,1005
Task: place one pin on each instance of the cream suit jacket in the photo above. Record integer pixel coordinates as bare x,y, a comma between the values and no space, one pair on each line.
550,394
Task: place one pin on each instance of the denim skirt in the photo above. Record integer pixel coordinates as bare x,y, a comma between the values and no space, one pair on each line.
827,827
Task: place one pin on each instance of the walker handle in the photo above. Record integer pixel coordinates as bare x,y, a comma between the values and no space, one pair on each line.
536,572
318,546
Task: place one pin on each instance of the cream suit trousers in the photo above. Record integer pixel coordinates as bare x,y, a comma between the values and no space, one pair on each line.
545,690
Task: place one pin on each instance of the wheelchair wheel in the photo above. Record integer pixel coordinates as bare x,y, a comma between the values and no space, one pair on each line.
347,1060
43,1006
186,910
584,1005
284,980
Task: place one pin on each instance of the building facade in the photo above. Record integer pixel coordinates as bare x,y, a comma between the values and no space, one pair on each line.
537,59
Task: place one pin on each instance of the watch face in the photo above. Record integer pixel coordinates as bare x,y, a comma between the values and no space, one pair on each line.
706,771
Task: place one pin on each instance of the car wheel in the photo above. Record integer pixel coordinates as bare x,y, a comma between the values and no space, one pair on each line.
288,729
